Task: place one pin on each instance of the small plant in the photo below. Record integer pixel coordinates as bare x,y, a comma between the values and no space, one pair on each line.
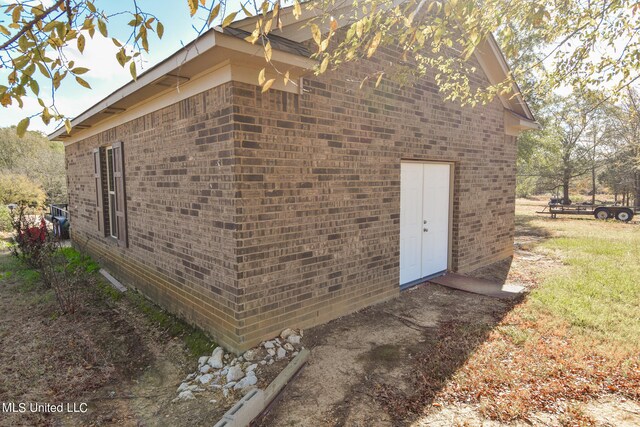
31,234
68,276
64,270
5,219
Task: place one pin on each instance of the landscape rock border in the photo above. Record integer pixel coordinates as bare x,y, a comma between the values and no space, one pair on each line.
227,375
253,404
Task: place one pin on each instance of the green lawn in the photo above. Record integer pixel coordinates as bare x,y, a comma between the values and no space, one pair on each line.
597,291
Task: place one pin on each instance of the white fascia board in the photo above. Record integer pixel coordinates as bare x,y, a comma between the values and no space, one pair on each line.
193,49
206,42
515,124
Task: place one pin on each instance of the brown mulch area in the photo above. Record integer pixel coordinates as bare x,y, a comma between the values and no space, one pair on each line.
511,380
45,357
508,380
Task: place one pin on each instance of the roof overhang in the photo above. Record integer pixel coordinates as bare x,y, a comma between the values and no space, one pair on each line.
495,67
211,51
515,124
216,57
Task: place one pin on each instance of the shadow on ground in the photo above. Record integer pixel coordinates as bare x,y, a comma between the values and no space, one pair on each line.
385,364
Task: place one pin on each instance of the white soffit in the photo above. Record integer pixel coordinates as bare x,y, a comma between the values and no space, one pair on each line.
181,75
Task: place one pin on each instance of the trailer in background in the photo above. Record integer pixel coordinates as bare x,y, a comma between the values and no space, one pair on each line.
599,211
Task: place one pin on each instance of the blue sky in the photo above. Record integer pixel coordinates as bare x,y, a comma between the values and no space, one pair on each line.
106,74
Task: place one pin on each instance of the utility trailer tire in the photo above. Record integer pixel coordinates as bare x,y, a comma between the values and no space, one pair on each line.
624,215
602,213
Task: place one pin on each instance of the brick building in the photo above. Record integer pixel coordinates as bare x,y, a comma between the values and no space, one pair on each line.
248,212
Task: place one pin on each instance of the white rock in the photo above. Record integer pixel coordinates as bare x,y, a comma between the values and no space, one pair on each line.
230,384
247,381
235,373
205,379
205,369
182,387
185,395
249,355
213,401
294,339
288,347
294,354
192,387
224,371
191,376
216,358
215,386
251,368
263,362
301,333
282,353
270,362
277,341
225,392
286,333
271,352
268,344
233,362
202,360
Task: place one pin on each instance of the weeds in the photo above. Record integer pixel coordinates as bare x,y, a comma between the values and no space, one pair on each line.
196,341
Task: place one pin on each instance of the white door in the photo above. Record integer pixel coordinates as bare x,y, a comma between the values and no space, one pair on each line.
424,219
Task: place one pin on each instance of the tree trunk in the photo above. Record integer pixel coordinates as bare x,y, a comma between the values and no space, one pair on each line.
593,184
593,169
566,178
637,189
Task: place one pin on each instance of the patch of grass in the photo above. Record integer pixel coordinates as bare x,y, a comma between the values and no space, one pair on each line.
576,336
79,260
516,334
597,292
194,338
108,292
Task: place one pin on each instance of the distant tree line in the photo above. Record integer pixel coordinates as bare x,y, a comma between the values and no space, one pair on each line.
583,137
32,169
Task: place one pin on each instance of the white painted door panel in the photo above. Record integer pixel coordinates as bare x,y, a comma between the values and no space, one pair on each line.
435,213
411,180
424,219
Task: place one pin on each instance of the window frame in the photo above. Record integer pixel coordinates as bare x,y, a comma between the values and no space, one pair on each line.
111,192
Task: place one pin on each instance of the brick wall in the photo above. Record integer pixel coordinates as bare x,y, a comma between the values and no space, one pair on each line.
179,170
252,212
319,178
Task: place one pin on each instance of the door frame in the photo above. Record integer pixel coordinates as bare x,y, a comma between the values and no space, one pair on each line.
452,172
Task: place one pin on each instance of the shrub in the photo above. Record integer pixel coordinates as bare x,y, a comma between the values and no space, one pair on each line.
68,276
31,234
20,190
5,219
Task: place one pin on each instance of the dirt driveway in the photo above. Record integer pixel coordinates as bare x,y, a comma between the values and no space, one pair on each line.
361,362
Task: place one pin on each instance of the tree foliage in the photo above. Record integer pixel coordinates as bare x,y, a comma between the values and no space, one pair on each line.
622,172
20,190
578,43
37,158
